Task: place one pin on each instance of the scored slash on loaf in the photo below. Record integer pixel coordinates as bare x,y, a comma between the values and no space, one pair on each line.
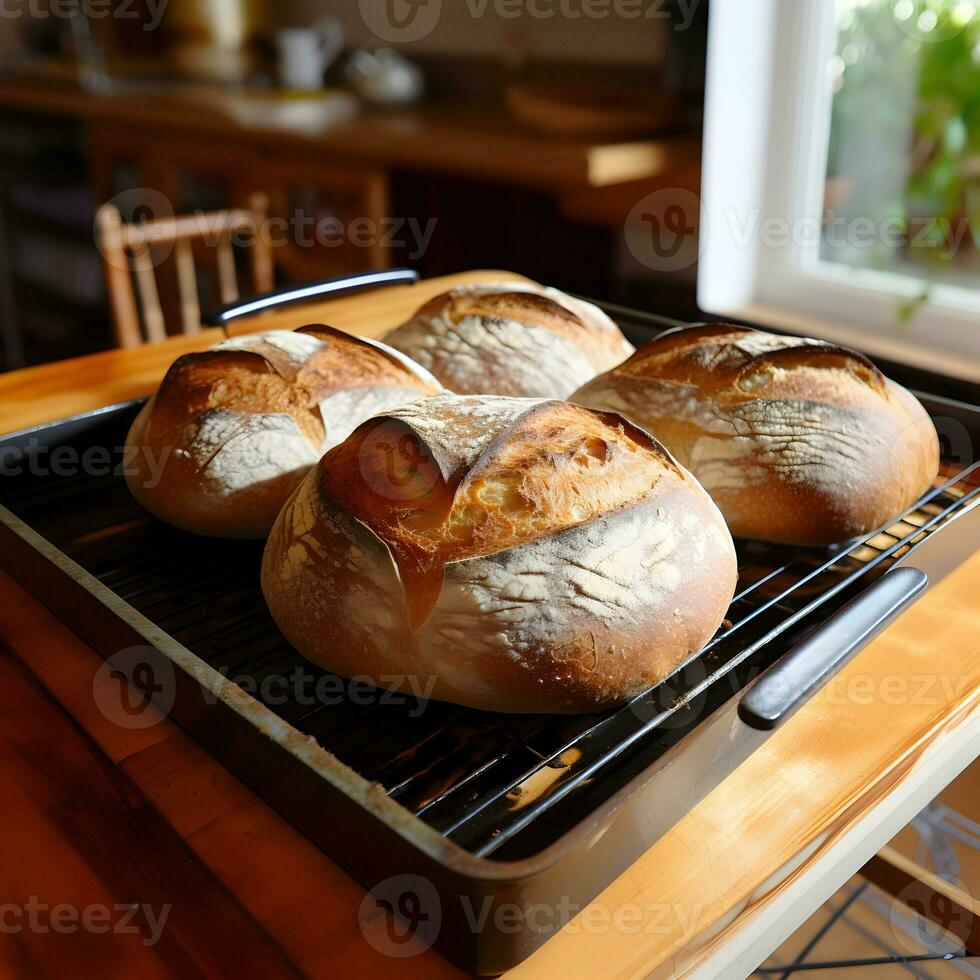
518,339
512,555
796,440
234,429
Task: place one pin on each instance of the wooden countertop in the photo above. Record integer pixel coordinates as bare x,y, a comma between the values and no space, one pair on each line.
448,139
40,394
759,853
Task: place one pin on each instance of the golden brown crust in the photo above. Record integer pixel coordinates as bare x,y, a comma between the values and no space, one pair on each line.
515,339
555,466
532,309
235,380
796,440
346,361
738,362
547,558
231,430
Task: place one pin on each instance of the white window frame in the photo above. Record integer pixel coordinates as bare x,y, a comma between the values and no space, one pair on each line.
767,126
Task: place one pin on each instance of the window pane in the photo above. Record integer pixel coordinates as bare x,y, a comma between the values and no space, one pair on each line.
903,176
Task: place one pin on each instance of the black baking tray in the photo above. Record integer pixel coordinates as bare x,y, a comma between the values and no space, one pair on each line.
450,816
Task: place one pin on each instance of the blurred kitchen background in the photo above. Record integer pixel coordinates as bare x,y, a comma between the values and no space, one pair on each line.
489,141
546,137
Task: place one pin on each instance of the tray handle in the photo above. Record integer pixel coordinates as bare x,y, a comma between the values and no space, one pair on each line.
294,294
810,664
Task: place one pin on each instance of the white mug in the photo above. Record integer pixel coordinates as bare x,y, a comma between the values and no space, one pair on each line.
305,53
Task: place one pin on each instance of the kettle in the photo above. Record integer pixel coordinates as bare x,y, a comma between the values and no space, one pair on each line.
384,77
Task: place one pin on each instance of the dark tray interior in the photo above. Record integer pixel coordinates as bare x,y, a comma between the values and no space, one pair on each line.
500,786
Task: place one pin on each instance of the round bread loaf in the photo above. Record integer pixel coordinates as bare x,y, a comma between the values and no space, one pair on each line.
508,554
516,339
232,430
797,441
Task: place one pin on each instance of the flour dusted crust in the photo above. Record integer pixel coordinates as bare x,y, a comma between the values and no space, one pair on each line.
797,440
513,555
233,429
512,338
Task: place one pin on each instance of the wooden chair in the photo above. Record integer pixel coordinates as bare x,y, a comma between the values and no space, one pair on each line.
128,259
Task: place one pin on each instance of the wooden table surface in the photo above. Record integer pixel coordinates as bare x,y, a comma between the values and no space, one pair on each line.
452,139
898,715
